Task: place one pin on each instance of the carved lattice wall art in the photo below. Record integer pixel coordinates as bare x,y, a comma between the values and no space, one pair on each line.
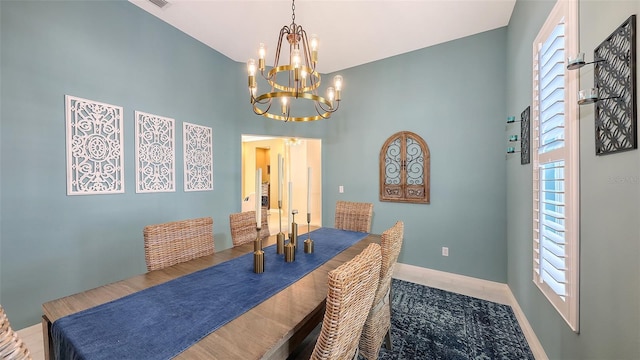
155,153
525,153
95,153
615,78
198,157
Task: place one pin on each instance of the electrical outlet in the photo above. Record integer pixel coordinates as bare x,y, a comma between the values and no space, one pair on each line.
445,251
340,189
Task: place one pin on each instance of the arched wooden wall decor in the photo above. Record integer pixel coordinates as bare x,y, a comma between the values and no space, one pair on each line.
404,169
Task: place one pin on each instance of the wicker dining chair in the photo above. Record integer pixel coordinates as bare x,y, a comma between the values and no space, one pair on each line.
351,290
354,216
11,346
377,327
243,227
178,241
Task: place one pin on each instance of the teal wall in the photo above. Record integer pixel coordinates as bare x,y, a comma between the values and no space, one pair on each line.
114,52
609,210
453,96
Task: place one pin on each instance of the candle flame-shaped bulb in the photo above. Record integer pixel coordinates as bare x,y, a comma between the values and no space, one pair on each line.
314,47
313,42
262,52
295,58
251,67
331,93
284,105
337,82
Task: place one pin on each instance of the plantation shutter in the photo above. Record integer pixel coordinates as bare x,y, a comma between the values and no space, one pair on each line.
555,156
549,233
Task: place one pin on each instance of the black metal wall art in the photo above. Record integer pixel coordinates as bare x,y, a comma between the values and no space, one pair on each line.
525,154
615,79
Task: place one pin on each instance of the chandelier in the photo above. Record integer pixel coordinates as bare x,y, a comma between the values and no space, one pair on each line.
295,80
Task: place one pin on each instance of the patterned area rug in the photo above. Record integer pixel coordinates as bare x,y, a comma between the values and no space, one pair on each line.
428,323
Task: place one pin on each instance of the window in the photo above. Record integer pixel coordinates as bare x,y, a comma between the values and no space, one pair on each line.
404,169
555,162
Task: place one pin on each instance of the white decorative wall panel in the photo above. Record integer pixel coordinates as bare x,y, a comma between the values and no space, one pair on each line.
95,152
198,157
155,153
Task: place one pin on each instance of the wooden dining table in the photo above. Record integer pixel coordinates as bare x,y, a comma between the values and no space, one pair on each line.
270,330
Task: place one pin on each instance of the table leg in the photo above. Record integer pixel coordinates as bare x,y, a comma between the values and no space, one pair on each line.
46,336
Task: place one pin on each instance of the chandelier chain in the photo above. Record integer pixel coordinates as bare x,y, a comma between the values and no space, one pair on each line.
293,11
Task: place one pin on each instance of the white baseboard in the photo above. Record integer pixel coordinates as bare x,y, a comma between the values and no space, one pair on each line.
470,286
532,339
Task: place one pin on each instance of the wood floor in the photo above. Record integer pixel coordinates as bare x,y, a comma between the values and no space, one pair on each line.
487,290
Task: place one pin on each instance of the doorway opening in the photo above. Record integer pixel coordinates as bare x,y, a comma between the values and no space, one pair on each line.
298,154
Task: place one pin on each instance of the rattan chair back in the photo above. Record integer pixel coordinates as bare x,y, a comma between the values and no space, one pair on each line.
178,241
378,323
243,227
351,291
354,216
11,346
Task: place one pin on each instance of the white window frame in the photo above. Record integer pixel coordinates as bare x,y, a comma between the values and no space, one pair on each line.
568,307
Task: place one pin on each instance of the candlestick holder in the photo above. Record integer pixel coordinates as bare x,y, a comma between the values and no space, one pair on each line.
280,236
308,244
258,254
293,237
289,252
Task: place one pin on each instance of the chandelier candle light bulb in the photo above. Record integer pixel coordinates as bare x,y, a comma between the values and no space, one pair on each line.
262,53
314,49
251,69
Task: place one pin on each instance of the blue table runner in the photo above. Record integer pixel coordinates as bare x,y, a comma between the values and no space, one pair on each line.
162,321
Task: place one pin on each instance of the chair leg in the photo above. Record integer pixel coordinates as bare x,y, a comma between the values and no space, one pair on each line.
387,336
387,339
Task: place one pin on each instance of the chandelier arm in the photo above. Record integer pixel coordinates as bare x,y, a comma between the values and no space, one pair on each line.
285,30
319,107
325,114
258,111
287,117
261,101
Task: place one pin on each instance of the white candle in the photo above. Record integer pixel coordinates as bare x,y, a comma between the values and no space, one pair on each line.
290,207
309,190
280,163
258,197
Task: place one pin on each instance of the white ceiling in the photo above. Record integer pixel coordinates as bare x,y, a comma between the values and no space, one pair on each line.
351,32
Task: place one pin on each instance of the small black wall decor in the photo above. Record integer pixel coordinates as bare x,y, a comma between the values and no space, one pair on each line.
615,79
525,154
